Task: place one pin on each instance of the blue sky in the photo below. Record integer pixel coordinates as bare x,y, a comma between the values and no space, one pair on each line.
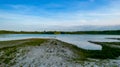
39,14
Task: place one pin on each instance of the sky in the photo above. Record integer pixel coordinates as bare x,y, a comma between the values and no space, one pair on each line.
43,14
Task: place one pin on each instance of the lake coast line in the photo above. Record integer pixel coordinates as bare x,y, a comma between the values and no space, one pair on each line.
43,52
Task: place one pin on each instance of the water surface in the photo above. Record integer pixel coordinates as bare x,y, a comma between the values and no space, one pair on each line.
78,40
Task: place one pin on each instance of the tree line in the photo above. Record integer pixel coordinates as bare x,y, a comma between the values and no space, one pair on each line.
115,32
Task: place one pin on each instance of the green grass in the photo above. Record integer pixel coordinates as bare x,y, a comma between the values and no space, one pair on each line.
23,42
107,51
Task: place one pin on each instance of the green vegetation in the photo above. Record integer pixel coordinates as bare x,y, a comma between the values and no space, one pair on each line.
114,38
57,32
23,42
109,32
107,52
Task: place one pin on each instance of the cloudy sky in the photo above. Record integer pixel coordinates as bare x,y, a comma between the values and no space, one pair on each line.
41,14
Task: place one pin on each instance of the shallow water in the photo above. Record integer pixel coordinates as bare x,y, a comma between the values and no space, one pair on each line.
79,40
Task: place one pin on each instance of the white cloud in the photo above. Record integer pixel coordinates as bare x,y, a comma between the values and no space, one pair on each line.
108,15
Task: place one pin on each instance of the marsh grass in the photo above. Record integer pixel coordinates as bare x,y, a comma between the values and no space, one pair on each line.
107,51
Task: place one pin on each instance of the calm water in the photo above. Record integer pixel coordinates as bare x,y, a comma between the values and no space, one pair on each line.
79,40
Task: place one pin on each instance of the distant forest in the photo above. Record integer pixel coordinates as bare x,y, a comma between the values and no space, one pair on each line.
110,32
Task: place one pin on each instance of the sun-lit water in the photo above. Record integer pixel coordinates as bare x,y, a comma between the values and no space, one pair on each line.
79,40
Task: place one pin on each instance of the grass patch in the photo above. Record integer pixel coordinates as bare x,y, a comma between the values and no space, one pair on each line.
107,52
23,42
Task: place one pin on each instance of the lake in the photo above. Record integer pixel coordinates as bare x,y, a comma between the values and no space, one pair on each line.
78,40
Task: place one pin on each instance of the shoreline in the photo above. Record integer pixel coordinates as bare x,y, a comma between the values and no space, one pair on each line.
27,52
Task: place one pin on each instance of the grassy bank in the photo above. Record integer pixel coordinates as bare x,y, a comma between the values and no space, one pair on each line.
110,50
